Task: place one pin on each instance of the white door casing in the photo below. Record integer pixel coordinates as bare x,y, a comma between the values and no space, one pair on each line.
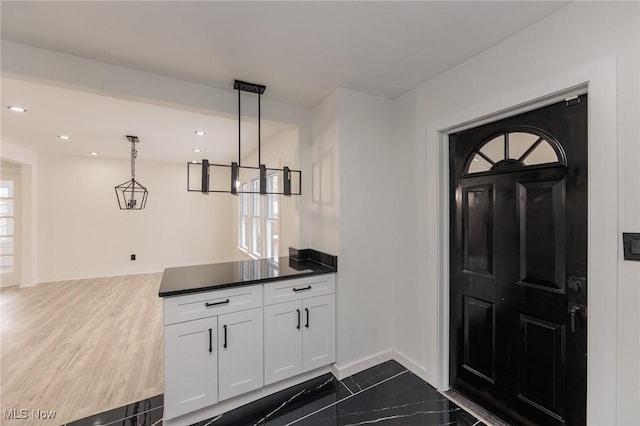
599,80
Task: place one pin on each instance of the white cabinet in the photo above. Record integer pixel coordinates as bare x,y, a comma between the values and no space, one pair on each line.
299,336
288,290
240,350
221,344
282,341
191,366
210,303
318,340
199,370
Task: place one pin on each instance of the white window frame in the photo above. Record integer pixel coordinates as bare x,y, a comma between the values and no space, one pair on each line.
12,277
245,222
271,218
254,219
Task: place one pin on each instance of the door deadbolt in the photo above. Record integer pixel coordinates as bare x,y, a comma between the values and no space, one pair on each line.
576,283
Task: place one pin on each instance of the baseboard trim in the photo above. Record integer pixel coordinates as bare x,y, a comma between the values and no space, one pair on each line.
410,365
343,371
94,276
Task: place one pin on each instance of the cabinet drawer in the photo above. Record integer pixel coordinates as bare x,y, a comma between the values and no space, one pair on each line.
288,290
210,303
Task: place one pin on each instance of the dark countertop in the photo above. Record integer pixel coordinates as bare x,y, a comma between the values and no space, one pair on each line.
192,279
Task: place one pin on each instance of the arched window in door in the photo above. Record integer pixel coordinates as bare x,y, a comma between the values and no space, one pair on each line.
515,149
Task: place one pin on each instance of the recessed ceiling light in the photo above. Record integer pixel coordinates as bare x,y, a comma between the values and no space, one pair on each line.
200,133
194,162
64,137
16,108
196,149
93,154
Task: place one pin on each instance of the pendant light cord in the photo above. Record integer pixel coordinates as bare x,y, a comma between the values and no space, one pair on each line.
134,154
239,129
259,162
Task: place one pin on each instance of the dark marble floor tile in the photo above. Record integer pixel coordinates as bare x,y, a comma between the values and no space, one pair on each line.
373,375
148,418
120,413
464,418
405,399
285,406
402,399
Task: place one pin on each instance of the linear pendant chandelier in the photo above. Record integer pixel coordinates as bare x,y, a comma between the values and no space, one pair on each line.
212,176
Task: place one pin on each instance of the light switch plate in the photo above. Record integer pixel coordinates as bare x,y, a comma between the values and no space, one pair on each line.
631,245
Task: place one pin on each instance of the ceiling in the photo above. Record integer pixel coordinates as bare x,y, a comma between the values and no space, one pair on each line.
300,50
100,124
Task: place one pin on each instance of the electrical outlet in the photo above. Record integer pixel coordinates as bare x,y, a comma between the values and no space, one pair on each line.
133,257
631,245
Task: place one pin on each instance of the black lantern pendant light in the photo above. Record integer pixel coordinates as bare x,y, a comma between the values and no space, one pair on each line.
131,194
236,166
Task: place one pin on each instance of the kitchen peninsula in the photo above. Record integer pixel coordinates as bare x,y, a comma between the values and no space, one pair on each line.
235,332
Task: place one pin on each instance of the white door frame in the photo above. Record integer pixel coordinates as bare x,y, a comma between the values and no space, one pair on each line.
599,80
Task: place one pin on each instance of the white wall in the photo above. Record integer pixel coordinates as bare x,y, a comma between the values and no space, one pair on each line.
376,202
354,210
33,64
369,209
20,61
577,36
83,233
325,175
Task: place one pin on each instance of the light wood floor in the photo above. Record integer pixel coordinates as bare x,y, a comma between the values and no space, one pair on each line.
80,347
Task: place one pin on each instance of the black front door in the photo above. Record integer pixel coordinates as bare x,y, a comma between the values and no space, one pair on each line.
519,265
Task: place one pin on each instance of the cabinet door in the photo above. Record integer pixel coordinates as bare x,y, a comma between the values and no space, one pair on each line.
282,341
191,367
318,339
241,347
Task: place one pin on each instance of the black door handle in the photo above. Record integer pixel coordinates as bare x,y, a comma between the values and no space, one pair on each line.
298,326
572,313
307,312
210,340
224,327
302,288
224,302
576,310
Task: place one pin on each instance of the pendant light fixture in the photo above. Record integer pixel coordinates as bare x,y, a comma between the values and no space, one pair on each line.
209,170
131,194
